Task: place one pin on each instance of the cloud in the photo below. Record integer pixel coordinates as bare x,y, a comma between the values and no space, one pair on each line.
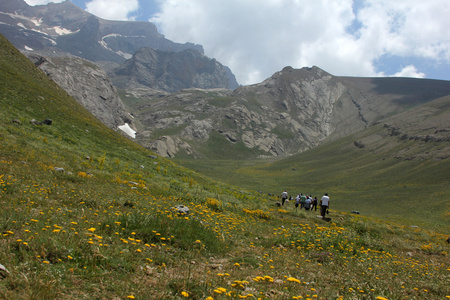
409,71
42,2
113,9
415,27
106,9
344,37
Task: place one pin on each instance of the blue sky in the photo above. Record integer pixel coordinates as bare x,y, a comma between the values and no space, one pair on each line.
255,38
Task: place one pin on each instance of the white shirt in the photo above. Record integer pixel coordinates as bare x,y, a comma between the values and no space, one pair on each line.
325,200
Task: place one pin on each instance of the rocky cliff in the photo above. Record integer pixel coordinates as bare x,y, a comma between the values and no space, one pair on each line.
89,85
292,111
172,71
133,53
63,28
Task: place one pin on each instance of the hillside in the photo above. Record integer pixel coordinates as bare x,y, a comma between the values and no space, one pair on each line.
185,105
398,169
86,213
292,111
65,30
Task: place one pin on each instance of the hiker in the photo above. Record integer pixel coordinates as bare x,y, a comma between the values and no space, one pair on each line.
297,201
307,203
325,204
284,196
314,204
302,200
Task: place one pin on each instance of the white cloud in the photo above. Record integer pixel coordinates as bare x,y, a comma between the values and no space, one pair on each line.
257,38
409,27
105,9
409,71
113,9
42,2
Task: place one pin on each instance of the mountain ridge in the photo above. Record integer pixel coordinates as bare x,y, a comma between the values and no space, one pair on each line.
45,25
63,29
292,111
180,102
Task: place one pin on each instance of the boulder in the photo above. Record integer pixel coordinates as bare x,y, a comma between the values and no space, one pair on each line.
181,209
35,122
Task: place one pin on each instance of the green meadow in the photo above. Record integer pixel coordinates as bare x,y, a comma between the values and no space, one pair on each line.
88,214
379,185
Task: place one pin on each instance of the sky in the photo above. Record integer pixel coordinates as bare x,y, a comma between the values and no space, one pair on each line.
255,38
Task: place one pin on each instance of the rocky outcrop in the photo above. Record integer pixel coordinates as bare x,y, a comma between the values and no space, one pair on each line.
89,85
290,112
172,71
167,146
64,28
151,60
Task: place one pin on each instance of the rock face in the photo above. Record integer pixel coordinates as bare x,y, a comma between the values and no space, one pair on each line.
89,85
172,71
151,60
62,28
290,112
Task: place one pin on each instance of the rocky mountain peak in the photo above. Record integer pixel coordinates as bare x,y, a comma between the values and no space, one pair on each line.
172,71
292,111
63,28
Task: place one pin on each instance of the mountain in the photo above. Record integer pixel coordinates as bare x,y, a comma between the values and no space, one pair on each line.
63,29
89,214
171,71
58,28
88,84
183,104
292,111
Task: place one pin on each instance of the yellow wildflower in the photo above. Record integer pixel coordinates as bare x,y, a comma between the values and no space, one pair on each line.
292,279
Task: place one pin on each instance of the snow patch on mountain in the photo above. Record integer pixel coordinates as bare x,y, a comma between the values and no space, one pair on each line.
128,130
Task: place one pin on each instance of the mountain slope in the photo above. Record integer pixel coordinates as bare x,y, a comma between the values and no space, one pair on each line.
398,169
86,213
63,29
171,71
88,84
290,112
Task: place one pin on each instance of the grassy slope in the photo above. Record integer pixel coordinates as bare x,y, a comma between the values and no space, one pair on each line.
104,228
374,182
